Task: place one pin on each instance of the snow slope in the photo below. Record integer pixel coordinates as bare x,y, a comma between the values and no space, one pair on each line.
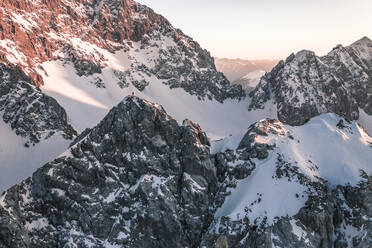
18,162
254,75
319,149
86,104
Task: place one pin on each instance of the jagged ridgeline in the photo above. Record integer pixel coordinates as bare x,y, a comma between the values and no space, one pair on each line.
66,63
305,85
136,177
139,179
84,33
30,113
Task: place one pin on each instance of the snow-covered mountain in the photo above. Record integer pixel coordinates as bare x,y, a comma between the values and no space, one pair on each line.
33,127
283,186
78,59
139,179
305,85
293,171
96,52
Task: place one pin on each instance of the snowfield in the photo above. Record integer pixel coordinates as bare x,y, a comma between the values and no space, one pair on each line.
319,149
18,162
86,104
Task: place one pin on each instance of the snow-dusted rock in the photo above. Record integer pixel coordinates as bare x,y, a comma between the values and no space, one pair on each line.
34,128
79,59
306,186
86,33
305,85
29,112
138,179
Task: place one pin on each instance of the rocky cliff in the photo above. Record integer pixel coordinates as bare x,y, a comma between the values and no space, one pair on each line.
306,85
66,63
29,112
139,179
82,32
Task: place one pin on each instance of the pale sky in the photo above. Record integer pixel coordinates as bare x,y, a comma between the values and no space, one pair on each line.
268,29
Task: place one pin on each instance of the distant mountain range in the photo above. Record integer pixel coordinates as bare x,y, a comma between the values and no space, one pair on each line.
244,72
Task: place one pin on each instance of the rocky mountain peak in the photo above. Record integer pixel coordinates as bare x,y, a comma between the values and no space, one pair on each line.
365,41
306,85
66,63
32,31
86,33
301,56
134,179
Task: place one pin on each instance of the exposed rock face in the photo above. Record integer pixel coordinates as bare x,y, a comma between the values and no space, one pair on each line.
112,44
305,85
32,25
83,32
30,113
137,179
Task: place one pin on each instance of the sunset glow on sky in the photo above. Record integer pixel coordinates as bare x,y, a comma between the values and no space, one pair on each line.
268,29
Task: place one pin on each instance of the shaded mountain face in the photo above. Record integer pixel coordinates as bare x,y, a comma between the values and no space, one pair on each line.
305,85
29,112
34,128
82,32
139,179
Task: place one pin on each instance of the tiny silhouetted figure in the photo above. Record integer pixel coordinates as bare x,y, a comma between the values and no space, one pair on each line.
132,94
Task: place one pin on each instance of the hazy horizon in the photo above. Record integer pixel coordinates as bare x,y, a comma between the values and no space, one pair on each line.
268,29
